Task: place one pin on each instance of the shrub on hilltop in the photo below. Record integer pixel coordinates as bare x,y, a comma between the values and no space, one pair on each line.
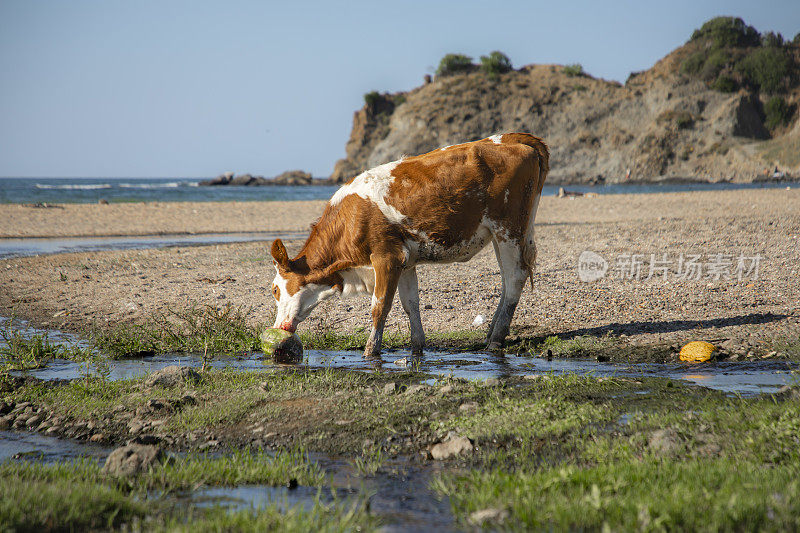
454,63
573,70
496,63
728,54
727,31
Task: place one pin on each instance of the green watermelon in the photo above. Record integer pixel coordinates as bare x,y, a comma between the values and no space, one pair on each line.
282,346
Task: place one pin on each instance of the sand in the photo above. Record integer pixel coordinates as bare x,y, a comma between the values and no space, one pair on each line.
77,290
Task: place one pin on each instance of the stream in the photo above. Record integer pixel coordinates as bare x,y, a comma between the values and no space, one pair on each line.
399,493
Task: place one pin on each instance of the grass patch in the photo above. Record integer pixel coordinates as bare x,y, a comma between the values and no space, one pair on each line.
207,329
558,457
695,495
78,496
322,517
63,497
329,339
20,352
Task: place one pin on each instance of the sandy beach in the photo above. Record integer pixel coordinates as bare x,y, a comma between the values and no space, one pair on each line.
699,245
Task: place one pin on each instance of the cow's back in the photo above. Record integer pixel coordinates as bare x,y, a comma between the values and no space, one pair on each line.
446,194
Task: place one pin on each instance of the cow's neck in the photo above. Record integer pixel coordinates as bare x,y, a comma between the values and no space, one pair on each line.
328,243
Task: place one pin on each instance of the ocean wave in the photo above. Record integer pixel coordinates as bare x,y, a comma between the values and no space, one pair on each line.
168,185
85,187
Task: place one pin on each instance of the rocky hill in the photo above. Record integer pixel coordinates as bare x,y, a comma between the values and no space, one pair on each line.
722,107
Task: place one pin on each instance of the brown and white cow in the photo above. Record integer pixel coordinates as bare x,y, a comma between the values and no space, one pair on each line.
439,207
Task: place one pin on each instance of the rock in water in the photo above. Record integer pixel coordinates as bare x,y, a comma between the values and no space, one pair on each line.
282,346
132,459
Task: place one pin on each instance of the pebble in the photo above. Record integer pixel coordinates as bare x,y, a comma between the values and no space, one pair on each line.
453,446
390,388
172,376
447,389
468,406
490,382
498,516
664,441
413,389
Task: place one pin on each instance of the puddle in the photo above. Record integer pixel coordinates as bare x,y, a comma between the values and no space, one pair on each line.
39,246
745,378
399,495
246,497
36,447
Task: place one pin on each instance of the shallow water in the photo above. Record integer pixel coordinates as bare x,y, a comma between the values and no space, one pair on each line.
40,246
399,493
36,447
745,378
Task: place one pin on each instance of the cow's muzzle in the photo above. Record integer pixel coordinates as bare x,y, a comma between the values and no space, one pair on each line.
288,325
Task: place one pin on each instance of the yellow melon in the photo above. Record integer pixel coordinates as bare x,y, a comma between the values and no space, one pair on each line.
697,351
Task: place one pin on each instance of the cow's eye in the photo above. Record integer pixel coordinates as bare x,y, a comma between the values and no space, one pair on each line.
275,292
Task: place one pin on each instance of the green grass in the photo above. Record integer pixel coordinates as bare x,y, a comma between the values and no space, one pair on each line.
556,457
651,495
78,496
202,329
20,352
558,452
322,517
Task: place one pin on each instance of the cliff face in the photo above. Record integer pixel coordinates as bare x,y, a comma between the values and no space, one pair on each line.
662,124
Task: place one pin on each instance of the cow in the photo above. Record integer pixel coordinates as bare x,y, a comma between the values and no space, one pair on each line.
439,207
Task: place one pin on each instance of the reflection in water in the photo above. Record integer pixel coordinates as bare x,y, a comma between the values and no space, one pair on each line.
733,377
749,377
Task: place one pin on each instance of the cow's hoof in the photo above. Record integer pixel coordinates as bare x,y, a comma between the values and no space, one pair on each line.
494,347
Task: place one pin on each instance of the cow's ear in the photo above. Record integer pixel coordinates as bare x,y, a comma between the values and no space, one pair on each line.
322,276
279,255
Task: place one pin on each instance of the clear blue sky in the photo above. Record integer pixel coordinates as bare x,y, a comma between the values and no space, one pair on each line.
166,88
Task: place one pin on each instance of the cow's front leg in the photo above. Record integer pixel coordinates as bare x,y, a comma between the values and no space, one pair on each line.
387,275
409,297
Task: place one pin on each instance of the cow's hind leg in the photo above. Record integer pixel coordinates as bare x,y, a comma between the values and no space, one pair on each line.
409,295
515,272
502,293
387,275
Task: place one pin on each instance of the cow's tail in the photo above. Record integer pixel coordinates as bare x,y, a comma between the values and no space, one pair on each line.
539,174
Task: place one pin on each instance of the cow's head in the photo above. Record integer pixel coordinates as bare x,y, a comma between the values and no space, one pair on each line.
298,289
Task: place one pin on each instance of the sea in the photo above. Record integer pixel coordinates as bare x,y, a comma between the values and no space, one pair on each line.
115,190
